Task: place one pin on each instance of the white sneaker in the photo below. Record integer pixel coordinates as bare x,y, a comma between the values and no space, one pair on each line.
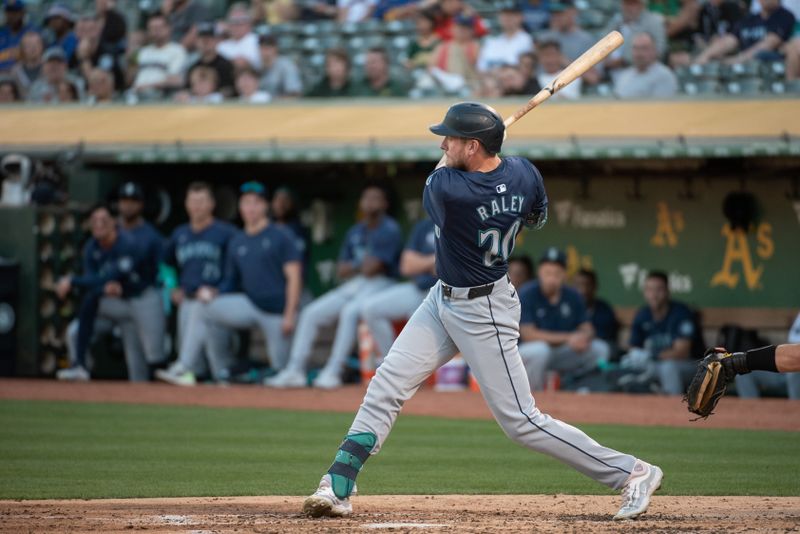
645,479
176,375
73,374
327,380
325,503
287,378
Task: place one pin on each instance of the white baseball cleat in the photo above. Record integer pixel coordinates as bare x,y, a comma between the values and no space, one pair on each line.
644,480
327,380
73,374
287,378
176,375
325,503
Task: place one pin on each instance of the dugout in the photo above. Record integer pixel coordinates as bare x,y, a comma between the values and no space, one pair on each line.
633,186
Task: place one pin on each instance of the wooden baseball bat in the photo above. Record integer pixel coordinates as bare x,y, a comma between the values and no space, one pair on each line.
576,69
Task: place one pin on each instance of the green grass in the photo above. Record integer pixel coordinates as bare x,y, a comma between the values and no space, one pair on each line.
77,450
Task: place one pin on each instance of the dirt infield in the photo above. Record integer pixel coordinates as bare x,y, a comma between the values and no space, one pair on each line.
439,513
763,414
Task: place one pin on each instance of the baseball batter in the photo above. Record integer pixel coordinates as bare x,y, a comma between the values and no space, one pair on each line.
478,202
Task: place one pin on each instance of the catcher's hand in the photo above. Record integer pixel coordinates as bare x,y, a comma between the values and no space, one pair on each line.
715,371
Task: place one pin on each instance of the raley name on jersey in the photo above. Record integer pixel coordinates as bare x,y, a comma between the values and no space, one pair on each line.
501,204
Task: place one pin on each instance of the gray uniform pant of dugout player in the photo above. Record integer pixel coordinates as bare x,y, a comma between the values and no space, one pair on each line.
342,304
539,356
750,386
209,328
485,330
392,304
141,321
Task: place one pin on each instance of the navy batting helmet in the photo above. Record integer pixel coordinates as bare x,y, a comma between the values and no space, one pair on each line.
473,121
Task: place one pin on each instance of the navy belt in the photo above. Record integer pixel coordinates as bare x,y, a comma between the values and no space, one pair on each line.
473,293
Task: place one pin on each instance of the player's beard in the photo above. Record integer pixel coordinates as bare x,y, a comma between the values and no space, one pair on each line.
458,164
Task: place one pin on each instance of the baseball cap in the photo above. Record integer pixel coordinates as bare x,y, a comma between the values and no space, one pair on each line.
256,188
207,29
54,53
14,5
553,255
561,5
131,190
59,10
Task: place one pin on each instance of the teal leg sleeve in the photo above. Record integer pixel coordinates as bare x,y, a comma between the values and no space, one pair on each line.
349,460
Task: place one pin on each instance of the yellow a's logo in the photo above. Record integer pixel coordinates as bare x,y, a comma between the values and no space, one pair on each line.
668,225
576,261
737,250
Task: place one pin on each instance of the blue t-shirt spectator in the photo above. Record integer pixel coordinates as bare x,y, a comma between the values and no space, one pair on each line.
656,336
603,320
423,240
9,45
566,315
384,242
754,28
254,265
200,256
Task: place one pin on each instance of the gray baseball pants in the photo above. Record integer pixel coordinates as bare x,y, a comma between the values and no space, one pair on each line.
142,322
392,304
539,356
342,304
486,331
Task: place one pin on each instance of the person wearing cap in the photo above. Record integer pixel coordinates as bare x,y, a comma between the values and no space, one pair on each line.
555,332
280,76
11,33
367,265
148,309
207,41
45,90
241,46
261,287
185,17
633,19
505,48
161,62
59,22
564,28
197,249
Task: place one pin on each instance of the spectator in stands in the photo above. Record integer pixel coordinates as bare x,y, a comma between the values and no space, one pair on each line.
46,89
184,17
647,77
792,51
280,76
203,88
93,52
9,92
160,63
551,62
241,46
536,14
528,67
378,80
514,83
505,49
555,332
425,41
274,12
207,41
564,28
135,42
59,23
449,12
367,264
634,19
112,295
336,82
29,65
757,36
389,10
11,33
114,28
459,55
67,92
598,311
697,24
400,300
662,333
100,87
247,88
197,249
520,270
354,10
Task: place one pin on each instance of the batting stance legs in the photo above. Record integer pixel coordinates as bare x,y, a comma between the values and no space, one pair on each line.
442,326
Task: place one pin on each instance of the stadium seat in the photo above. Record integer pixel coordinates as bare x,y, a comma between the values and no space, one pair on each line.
751,69
701,87
745,86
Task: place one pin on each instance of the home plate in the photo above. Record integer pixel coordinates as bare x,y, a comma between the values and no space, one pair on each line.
404,525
